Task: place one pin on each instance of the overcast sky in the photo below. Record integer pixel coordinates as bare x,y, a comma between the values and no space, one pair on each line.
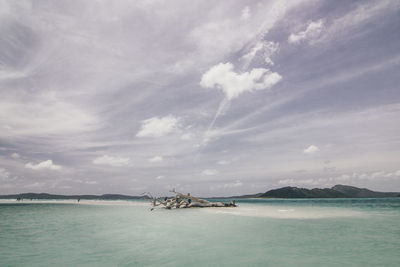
208,97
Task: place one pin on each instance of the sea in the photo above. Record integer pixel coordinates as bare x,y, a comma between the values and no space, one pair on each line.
259,232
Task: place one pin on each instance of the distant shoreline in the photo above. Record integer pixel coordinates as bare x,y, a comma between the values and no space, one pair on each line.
337,191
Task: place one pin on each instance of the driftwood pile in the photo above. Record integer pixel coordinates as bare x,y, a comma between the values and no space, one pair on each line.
182,201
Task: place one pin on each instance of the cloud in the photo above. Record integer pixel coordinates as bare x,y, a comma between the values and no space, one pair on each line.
223,77
47,164
15,156
112,161
265,47
45,114
223,162
156,159
160,177
312,31
348,178
311,150
209,172
187,136
325,31
370,176
237,183
4,174
352,20
157,127
246,13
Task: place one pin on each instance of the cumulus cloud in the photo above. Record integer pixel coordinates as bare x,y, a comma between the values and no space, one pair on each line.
156,159
4,173
112,161
311,150
186,136
47,164
229,185
15,156
157,127
223,77
245,13
237,183
209,172
312,31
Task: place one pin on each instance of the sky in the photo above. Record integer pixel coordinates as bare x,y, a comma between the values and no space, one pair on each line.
216,98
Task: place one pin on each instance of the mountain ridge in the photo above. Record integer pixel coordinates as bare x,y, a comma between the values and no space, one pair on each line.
86,196
337,191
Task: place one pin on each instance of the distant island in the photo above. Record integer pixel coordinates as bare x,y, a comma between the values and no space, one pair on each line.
337,191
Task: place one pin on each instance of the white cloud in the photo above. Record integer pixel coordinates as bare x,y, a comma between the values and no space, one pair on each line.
246,13
220,36
345,178
294,182
377,175
186,136
265,47
362,14
223,162
112,161
157,127
311,150
270,48
313,31
45,114
237,183
223,77
4,173
47,164
320,31
156,159
15,156
209,172
160,177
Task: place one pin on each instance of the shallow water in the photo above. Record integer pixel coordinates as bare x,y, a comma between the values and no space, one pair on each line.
318,232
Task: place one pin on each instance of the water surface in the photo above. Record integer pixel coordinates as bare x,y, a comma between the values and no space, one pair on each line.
269,232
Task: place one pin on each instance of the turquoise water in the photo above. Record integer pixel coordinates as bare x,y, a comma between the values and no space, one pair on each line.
338,232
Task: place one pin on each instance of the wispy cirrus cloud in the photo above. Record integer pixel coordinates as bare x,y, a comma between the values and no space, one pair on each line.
313,31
